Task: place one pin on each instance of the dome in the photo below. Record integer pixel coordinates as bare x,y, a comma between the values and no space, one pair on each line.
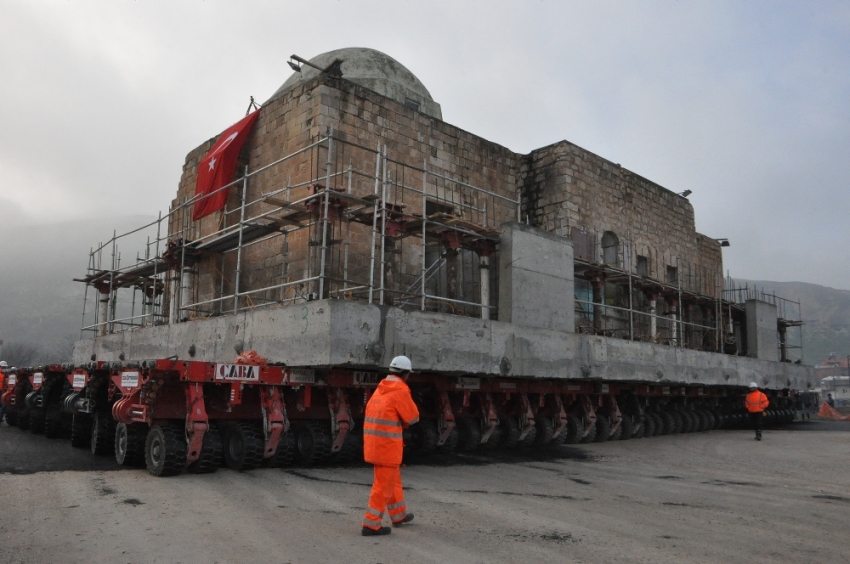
373,70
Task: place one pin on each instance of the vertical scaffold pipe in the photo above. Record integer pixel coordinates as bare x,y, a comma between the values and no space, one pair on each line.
326,204
484,269
239,247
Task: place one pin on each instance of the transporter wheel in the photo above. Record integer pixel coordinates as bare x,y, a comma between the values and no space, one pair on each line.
130,444
285,453
211,451
689,421
590,437
469,435
313,442
658,424
707,420
639,425
628,427
510,431
420,438
165,450
695,421
678,422
712,420
23,417
603,428
530,438
81,430
451,442
494,440
352,447
11,418
53,422
37,421
572,434
666,423
545,430
102,434
244,446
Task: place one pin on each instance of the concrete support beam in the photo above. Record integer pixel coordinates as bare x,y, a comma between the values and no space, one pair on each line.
762,336
536,282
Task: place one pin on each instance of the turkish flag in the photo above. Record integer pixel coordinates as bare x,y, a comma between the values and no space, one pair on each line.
217,167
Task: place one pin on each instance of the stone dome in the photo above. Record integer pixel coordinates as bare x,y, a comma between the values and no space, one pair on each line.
373,70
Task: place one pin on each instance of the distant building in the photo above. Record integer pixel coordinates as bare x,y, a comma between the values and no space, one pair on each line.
834,374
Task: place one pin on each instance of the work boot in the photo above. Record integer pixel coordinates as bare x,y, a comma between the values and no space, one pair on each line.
407,519
367,532
758,436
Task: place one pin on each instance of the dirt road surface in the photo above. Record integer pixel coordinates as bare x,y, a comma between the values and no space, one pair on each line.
706,497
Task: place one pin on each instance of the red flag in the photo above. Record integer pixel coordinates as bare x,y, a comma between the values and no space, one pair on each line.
217,167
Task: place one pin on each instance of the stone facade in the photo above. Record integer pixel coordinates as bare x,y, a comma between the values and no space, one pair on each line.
564,189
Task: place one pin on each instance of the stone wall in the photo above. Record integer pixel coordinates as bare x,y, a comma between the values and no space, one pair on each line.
566,189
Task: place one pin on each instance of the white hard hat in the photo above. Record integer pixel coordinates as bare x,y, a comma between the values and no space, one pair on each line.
401,364
3,364
753,385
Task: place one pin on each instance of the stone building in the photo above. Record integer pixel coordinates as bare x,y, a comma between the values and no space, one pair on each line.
640,264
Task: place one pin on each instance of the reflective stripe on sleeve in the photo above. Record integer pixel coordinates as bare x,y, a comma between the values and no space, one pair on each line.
413,421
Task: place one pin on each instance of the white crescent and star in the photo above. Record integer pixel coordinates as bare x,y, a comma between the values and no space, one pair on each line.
222,147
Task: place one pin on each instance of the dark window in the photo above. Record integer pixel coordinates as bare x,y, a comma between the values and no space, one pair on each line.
642,266
610,248
411,104
432,207
672,275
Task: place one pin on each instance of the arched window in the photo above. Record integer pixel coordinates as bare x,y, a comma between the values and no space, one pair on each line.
610,248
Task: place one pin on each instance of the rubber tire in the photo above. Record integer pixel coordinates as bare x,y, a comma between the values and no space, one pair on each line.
53,422
11,418
469,435
678,423
658,424
211,452
494,441
23,418
666,423
312,442
352,447
530,438
510,431
165,450
603,428
640,426
244,446
628,427
572,434
451,442
285,453
590,437
37,421
545,430
130,444
81,430
103,434
618,432
421,438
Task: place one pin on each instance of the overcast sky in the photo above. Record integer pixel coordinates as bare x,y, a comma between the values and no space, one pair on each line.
744,103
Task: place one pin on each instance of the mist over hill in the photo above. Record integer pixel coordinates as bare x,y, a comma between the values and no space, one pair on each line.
41,306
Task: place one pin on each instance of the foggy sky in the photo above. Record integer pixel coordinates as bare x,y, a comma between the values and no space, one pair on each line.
744,103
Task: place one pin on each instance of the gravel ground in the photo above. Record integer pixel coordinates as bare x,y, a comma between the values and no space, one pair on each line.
709,497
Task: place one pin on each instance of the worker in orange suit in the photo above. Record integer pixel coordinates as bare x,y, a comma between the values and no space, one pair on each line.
756,402
389,411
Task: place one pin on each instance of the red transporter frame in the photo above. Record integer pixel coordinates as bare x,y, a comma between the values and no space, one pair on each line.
172,415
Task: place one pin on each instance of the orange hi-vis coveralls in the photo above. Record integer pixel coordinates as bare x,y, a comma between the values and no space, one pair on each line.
756,402
389,411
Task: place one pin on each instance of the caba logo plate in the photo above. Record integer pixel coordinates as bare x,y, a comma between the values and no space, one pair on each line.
238,372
